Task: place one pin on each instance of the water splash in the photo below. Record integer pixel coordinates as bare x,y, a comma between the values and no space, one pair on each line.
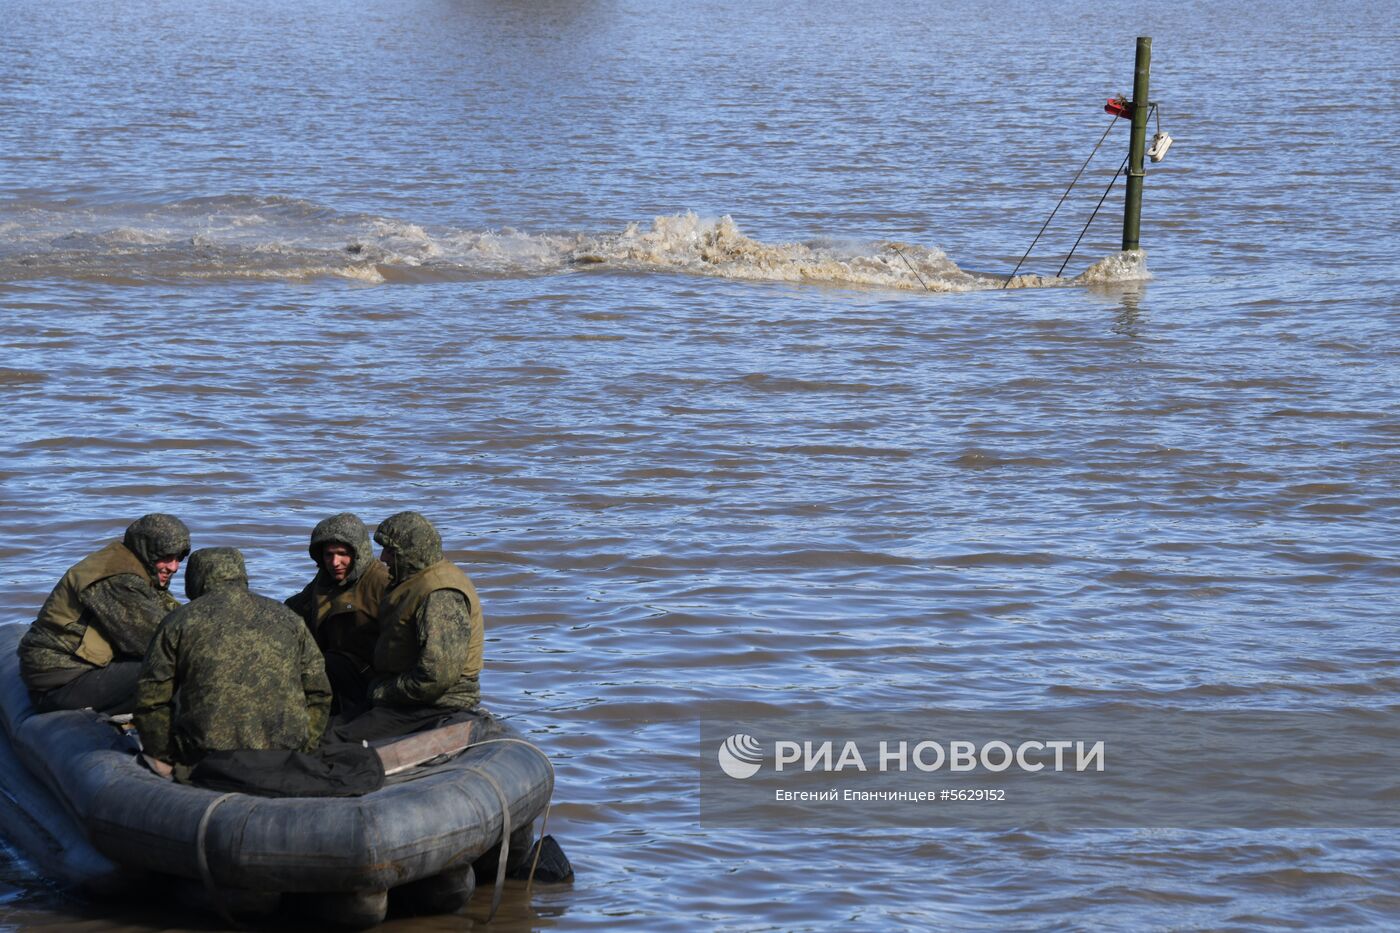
240,237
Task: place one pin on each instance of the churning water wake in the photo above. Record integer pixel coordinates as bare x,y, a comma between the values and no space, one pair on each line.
247,237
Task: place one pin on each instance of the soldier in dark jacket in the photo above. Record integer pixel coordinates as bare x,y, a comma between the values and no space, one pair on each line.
86,645
229,671
427,660
341,606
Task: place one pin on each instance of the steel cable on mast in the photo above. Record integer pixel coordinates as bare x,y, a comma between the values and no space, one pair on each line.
1093,215
1111,183
1062,200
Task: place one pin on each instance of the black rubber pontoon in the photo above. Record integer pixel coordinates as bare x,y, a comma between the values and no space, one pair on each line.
98,819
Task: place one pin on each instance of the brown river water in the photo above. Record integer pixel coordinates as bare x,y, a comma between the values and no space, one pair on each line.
683,323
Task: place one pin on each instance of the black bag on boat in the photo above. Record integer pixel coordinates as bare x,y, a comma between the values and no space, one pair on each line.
329,771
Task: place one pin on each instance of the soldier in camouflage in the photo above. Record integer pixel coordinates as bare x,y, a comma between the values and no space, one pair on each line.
85,647
341,607
427,660
231,670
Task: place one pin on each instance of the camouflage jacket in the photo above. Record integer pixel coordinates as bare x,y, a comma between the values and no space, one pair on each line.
121,606
429,651
437,676
230,670
344,616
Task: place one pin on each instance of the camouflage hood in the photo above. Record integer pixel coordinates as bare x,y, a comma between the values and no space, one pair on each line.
212,567
154,536
416,543
347,529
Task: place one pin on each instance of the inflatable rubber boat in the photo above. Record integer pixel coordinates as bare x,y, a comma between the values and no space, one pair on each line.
76,800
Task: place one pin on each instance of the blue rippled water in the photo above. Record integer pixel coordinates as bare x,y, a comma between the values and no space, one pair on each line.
624,296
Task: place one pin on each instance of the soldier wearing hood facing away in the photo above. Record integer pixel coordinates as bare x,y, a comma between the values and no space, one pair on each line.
229,671
427,660
86,645
341,607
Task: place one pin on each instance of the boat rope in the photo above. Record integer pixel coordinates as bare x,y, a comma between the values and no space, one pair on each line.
202,857
539,846
505,844
1062,200
505,818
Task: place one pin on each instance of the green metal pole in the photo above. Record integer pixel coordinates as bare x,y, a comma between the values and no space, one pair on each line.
1132,206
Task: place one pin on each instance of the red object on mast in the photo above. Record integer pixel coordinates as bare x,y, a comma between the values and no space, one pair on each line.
1119,108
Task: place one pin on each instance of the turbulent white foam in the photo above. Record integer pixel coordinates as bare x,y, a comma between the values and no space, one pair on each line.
262,237
1128,266
364,272
690,243
409,243
119,237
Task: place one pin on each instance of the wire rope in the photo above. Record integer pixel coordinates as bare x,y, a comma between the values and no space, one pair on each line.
1062,200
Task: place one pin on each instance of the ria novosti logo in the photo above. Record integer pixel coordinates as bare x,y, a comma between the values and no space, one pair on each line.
740,756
